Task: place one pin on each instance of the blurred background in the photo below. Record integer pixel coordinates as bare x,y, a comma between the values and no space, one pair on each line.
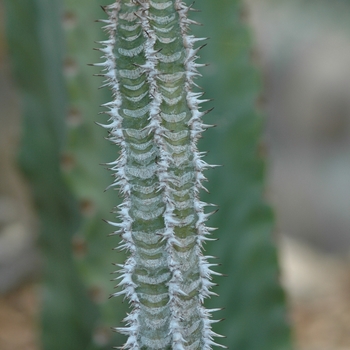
303,50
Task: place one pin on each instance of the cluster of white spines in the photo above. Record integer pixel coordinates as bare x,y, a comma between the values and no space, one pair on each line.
155,119
119,167
164,163
196,128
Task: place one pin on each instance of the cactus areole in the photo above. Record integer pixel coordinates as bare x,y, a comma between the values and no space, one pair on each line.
149,63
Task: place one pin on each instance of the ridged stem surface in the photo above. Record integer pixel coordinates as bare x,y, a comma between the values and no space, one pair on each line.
149,65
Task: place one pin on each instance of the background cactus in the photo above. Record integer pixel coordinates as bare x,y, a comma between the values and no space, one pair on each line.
255,311
85,150
37,44
69,203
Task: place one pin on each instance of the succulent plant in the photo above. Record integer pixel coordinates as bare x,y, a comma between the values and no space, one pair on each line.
155,119
150,64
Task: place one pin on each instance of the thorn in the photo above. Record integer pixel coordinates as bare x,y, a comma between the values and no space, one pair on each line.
208,111
201,47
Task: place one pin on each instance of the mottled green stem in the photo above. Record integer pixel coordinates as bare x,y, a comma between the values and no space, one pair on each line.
155,120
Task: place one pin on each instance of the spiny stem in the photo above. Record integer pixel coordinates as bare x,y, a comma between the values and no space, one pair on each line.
149,65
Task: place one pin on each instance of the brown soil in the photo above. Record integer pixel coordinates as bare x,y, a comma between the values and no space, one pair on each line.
18,319
323,323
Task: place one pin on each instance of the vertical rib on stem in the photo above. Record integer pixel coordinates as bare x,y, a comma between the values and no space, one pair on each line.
155,120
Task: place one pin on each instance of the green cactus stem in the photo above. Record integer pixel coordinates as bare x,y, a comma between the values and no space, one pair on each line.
155,119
